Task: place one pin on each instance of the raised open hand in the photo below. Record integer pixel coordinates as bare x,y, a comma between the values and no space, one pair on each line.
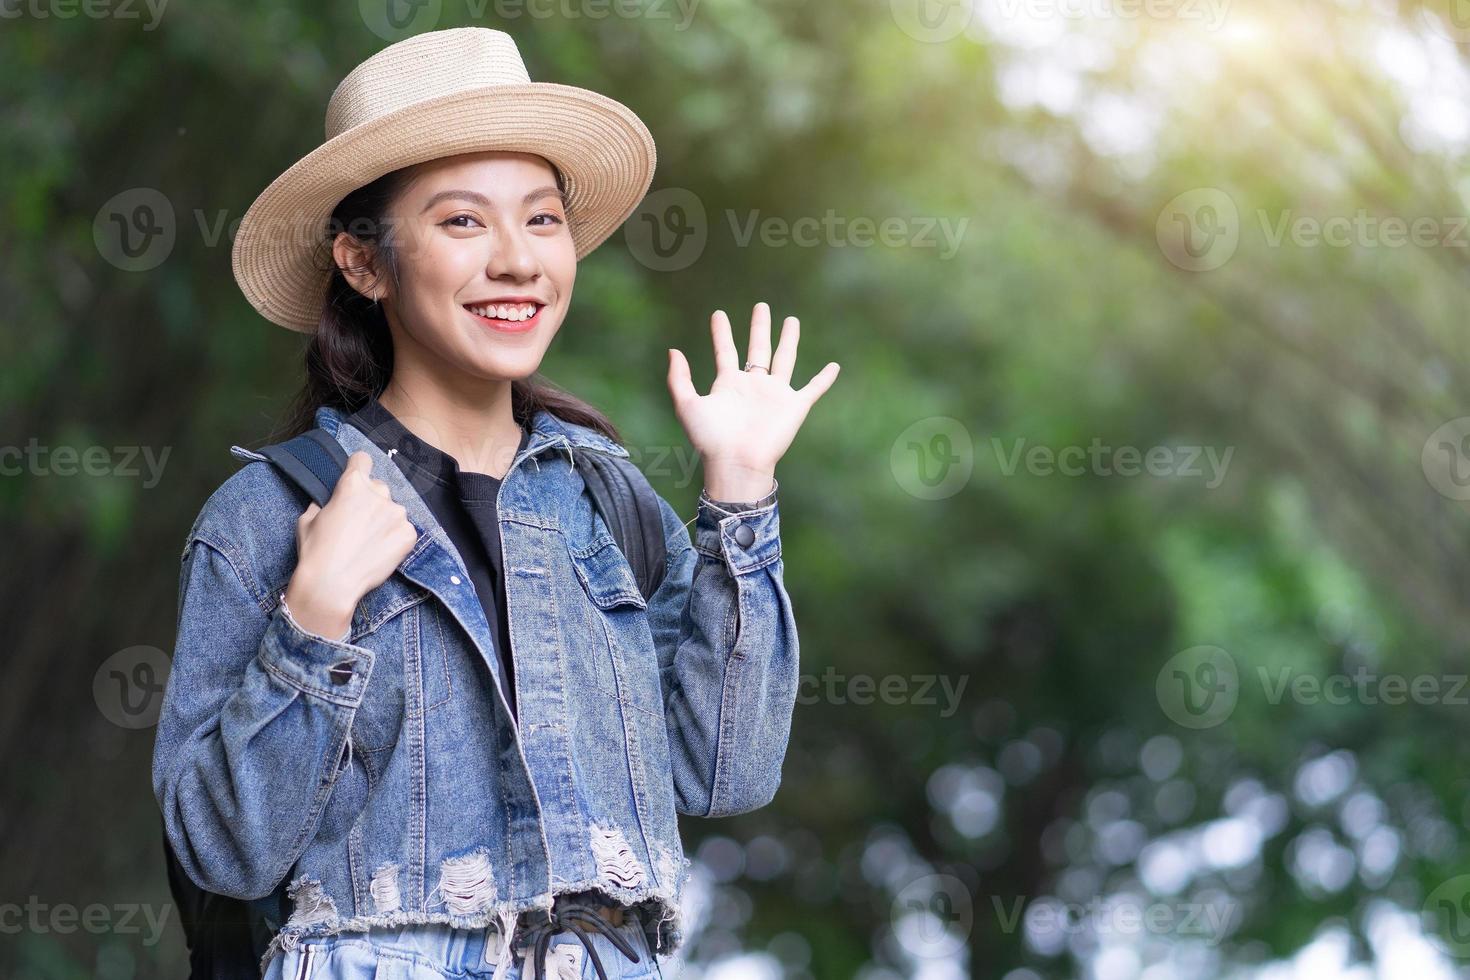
750,417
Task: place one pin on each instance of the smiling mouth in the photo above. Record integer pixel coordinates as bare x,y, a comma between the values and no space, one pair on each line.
508,312
508,317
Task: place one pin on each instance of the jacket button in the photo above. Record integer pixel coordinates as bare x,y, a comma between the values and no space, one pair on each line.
744,535
341,673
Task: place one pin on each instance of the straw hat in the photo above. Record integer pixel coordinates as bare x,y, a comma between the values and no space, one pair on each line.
434,95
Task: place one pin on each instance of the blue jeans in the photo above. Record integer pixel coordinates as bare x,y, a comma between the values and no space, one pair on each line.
434,952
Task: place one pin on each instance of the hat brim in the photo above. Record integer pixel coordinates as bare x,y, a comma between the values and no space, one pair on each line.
603,150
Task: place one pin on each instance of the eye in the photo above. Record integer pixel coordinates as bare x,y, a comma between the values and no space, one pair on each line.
554,218
453,221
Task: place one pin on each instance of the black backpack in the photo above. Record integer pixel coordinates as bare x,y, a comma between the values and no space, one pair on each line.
227,936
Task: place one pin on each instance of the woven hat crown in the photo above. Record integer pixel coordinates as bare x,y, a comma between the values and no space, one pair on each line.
425,66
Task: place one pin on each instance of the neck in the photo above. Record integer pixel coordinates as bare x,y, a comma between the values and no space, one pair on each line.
470,419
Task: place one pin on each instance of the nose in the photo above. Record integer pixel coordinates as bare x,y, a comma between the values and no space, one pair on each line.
511,256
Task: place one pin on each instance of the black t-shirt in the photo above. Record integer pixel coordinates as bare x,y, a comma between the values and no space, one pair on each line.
463,502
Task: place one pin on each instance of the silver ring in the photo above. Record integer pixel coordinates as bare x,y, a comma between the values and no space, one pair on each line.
757,367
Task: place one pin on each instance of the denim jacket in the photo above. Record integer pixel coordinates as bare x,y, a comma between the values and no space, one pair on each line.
380,778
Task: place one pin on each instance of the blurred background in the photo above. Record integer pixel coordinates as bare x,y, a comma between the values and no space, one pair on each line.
1128,549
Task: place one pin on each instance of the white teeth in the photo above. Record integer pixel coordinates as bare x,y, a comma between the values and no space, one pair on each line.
514,313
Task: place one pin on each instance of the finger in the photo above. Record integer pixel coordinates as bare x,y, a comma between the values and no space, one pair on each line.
381,488
681,384
784,361
727,358
304,522
359,462
818,385
760,336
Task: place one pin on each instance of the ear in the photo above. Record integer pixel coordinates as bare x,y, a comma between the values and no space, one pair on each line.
355,260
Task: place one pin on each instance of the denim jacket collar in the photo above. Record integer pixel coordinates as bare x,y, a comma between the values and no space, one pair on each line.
434,563
546,430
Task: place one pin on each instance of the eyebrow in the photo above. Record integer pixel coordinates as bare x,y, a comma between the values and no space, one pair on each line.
476,197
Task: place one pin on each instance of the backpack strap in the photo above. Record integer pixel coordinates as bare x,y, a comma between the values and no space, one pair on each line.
314,461
629,507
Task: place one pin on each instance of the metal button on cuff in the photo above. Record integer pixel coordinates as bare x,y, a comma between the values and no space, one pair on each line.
744,535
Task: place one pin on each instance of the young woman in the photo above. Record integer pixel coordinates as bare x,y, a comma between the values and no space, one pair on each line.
437,720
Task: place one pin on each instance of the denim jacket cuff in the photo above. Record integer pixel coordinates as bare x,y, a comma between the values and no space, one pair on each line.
330,669
745,540
738,507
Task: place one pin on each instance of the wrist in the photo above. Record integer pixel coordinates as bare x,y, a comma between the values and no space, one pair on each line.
738,481
316,613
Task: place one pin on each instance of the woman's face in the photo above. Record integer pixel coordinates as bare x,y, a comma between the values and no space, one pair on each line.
482,240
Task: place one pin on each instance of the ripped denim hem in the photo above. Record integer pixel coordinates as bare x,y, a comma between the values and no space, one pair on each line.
663,926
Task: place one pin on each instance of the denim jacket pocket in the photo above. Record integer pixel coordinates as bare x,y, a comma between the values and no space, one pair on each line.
626,662
606,574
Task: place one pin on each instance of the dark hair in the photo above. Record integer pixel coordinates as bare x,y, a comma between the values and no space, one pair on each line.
349,359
